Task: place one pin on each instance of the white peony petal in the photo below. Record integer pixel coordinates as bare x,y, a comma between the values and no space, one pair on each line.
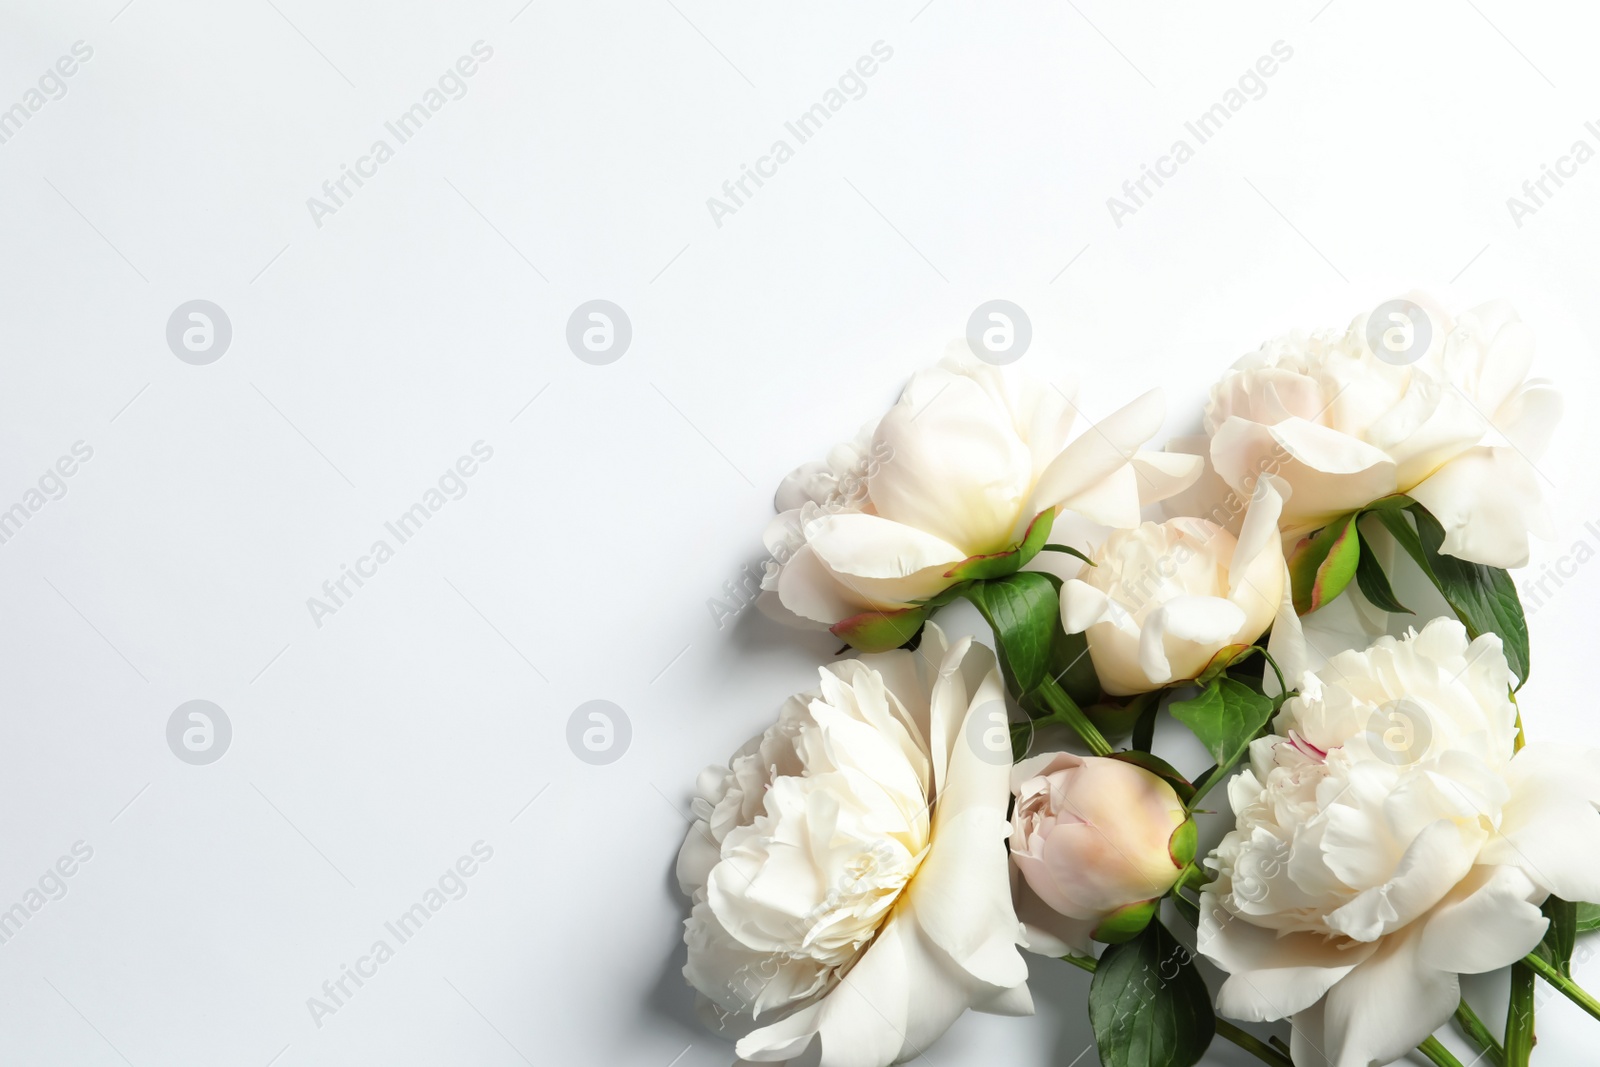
1530,417
1488,922
1381,1010
1438,858
885,563
957,468
1331,472
1161,475
1549,827
1271,976
1100,451
1082,605
961,895
1209,497
1047,932
1259,544
1207,621
1111,501
808,589
1488,500
897,1000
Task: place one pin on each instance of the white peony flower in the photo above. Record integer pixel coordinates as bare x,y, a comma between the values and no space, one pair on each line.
848,870
1163,599
960,468
1388,840
1406,400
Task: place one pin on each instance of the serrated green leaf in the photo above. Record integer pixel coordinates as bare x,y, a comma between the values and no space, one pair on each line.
1324,564
1483,598
1374,584
1588,917
1148,1004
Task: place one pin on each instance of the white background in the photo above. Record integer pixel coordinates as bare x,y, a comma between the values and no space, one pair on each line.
371,351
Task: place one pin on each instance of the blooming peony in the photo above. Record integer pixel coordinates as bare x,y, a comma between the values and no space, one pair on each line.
848,869
1388,840
960,468
1407,400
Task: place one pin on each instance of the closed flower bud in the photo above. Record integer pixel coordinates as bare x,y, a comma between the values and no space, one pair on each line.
1097,841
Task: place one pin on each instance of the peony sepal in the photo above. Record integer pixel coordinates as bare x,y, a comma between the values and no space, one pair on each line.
1126,923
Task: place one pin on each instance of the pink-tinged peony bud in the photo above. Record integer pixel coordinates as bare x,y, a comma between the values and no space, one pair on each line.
1098,840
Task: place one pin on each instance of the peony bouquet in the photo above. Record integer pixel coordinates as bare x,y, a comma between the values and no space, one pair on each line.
875,863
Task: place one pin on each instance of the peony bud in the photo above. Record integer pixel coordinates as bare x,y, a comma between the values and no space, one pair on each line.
1098,840
1164,599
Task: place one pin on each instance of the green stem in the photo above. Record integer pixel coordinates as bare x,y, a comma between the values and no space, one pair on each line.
1249,1042
1252,1044
1570,989
1186,908
1283,688
1479,1034
1437,1053
1083,963
1064,709
1519,1016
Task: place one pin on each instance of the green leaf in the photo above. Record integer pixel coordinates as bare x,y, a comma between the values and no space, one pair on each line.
1556,948
1023,610
1483,598
1588,917
1071,666
1374,584
1323,565
1148,1004
1226,717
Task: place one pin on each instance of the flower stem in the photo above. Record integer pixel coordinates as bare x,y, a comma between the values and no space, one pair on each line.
1479,1034
1252,1044
1568,988
1064,709
1247,1041
1519,1016
1437,1053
